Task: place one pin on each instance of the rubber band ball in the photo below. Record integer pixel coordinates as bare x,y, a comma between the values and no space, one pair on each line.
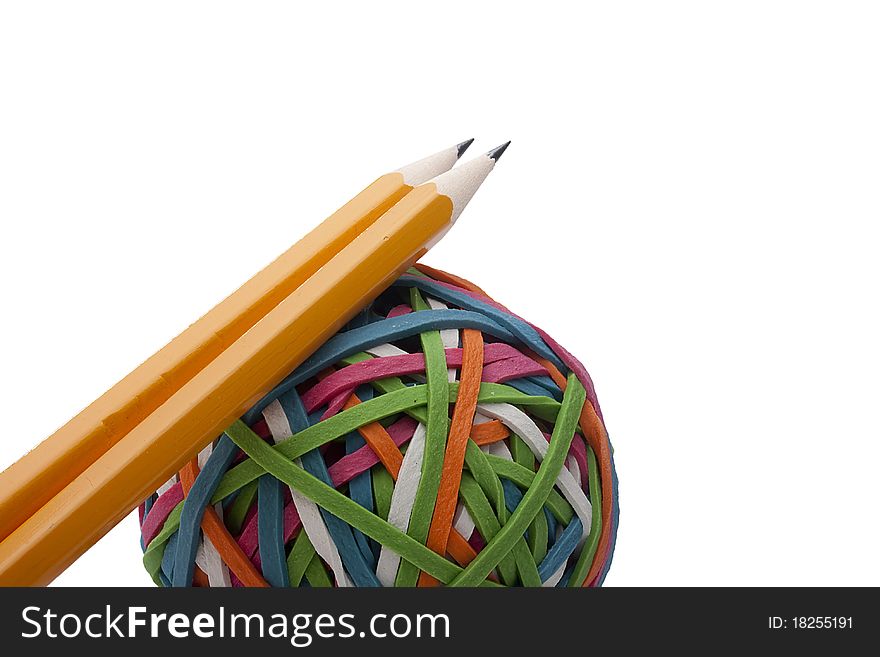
437,439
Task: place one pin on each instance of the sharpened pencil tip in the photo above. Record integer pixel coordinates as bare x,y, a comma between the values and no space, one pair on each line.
498,151
463,146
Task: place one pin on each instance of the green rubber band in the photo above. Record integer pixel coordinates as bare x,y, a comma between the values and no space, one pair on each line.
520,557
521,452
539,535
538,532
300,557
317,575
404,399
156,549
383,488
359,357
436,430
542,407
486,522
272,461
534,498
582,567
478,465
525,563
558,505
237,511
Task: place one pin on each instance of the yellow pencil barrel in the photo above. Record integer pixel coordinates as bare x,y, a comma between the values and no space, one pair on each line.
41,474
94,500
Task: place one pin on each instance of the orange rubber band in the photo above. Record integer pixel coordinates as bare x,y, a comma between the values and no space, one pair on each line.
591,425
449,278
214,529
200,578
389,454
489,432
456,444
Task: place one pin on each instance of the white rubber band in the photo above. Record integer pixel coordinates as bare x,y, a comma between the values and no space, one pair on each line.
309,514
523,426
402,500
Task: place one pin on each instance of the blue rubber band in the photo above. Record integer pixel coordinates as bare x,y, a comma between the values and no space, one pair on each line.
562,549
387,330
523,331
194,505
356,566
270,528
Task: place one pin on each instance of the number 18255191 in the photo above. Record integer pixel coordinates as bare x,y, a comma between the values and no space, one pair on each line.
810,623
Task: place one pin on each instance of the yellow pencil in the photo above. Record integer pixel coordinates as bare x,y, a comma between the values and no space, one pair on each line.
42,473
47,542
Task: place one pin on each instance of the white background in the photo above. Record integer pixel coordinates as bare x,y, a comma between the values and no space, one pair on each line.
689,205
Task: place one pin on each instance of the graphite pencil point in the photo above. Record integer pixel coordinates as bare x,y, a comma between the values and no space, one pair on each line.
498,151
463,146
